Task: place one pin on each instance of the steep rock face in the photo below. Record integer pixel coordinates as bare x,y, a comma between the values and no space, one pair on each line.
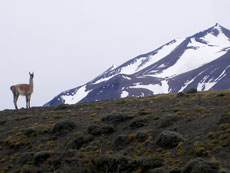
200,61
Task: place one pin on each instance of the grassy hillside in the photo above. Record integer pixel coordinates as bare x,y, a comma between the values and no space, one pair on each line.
162,133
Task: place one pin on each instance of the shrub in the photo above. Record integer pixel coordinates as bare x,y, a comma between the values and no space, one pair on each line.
100,129
24,158
30,131
156,170
114,163
117,117
167,120
63,126
141,136
61,107
138,122
121,142
40,157
79,141
191,91
199,165
169,139
175,170
147,163
143,112
180,94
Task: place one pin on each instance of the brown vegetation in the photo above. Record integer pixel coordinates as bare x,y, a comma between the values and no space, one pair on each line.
161,133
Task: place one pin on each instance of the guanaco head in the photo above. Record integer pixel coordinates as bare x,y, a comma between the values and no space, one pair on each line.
31,75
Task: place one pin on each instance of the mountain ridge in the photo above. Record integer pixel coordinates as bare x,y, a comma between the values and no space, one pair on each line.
157,71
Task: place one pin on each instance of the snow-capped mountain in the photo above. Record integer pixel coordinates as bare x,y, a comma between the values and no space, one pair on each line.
200,61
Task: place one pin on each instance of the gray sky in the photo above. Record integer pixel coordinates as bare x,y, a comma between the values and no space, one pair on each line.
66,43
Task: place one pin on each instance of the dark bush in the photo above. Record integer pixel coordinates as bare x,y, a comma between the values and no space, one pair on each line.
30,132
200,151
143,112
180,94
138,122
2,122
24,158
141,136
40,157
191,91
61,107
168,139
149,163
79,141
76,143
117,117
225,118
63,126
221,95
200,165
100,129
175,170
115,163
167,120
121,142
156,170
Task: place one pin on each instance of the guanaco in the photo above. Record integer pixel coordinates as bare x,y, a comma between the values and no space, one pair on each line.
24,90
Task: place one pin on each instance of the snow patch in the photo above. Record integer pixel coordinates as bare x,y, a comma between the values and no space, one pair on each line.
79,95
126,77
155,88
103,79
194,58
161,53
124,94
189,81
204,86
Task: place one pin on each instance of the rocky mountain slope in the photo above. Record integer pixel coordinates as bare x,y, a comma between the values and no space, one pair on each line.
185,132
200,61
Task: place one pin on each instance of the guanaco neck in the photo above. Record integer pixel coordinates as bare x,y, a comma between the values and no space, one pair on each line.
31,84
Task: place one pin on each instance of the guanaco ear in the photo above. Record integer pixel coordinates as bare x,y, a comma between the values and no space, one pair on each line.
31,74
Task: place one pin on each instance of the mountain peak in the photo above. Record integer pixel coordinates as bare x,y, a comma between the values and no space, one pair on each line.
200,61
217,26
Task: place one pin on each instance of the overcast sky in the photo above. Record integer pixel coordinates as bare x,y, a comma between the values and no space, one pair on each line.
67,43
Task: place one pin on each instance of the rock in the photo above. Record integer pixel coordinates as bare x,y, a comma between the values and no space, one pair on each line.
40,157
200,165
169,139
63,126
